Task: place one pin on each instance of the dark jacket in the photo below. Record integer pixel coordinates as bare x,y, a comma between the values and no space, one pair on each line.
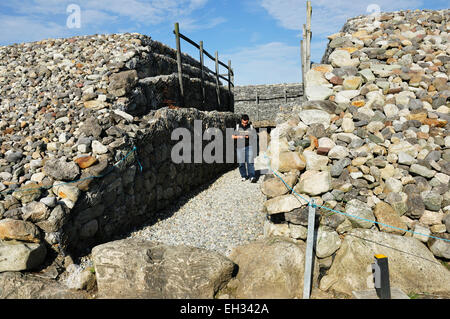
248,130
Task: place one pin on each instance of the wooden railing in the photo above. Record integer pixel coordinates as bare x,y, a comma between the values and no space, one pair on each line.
229,76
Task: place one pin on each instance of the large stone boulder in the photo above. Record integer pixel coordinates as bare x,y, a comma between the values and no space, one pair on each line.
19,256
314,183
288,161
13,229
412,267
15,285
271,268
387,216
361,214
439,247
60,169
315,116
272,186
283,204
327,106
327,242
133,268
122,82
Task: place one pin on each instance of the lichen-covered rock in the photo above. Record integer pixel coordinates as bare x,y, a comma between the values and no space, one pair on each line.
11,229
283,203
328,241
361,215
313,183
272,268
143,269
121,83
18,285
61,170
351,269
21,256
273,186
386,216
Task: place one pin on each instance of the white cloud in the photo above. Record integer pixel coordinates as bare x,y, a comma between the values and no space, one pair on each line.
273,62
147,12
153,11
27,29
190,24
47,18
328,16
91,18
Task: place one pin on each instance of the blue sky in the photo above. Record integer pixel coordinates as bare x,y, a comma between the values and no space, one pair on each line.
260,37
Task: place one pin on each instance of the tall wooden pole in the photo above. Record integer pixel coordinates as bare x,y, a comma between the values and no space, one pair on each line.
257,104
180,75
303,56
229,86
202,75
232,77
232,82
308,35
217,79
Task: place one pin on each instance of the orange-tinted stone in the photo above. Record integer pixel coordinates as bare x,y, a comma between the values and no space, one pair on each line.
358,103
349,49
322,68
85,161
435,122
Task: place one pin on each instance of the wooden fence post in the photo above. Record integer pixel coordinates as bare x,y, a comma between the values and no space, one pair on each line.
232,77
202,84
303,57
308,35
257,104
232,83
180,75
217,79
229,85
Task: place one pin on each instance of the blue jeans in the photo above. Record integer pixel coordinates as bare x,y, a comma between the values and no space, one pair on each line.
245,156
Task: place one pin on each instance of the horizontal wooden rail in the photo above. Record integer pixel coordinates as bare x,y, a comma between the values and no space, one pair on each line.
269,98
188,40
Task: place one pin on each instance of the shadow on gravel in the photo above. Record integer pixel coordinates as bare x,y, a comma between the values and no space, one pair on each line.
169,211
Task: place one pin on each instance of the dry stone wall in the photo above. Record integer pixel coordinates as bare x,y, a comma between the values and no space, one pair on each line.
85,135
263,102
146,182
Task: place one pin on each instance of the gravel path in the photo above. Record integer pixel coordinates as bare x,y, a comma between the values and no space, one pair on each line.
225,214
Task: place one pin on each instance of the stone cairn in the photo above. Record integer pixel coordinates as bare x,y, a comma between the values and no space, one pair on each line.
85,134
372,140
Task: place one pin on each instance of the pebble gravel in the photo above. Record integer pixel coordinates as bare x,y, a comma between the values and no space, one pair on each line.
219,216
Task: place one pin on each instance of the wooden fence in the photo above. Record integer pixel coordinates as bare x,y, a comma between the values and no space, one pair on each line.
229,76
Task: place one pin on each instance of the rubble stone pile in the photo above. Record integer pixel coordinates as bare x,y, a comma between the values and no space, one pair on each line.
372,141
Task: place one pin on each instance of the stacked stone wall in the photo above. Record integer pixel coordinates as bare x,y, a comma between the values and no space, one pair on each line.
264,102
86,127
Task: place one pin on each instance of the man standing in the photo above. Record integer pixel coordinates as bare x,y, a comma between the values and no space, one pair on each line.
246,146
